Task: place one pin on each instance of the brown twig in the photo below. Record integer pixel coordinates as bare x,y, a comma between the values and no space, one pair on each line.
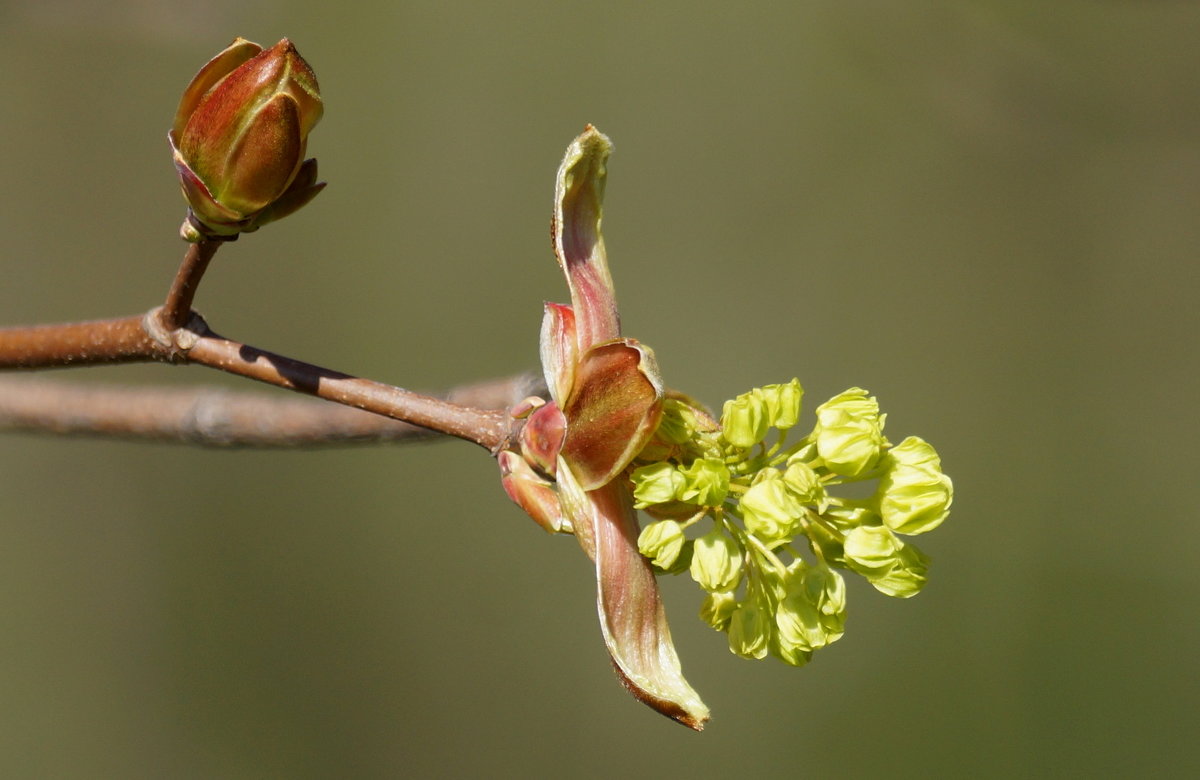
122,340
217,417
486,427
173,333
108,341
178,307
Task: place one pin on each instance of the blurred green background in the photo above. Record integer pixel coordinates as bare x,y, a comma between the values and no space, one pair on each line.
984,212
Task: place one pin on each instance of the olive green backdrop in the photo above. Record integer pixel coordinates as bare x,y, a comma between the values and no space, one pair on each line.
984,212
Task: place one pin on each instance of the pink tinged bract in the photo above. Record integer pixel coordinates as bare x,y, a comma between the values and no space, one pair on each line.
612,411
631,612
578,243
531,492
541,437
558,348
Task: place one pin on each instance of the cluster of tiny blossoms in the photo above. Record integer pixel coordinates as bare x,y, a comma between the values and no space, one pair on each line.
777,533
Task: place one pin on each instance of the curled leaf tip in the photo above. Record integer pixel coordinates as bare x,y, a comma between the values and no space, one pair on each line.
578,242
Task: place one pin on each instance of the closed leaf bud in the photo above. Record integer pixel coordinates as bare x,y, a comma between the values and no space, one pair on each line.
914,495
849,432
239,138
744,420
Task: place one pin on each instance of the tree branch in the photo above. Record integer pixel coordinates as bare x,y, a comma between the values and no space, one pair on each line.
488,428
134,339
173,333
122,340
216,417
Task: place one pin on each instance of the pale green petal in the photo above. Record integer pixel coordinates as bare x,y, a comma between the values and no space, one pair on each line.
907,577
894,567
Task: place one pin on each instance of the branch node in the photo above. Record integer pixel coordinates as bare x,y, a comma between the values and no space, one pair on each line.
176,343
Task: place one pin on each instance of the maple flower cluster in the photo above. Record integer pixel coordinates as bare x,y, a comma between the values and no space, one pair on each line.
757,523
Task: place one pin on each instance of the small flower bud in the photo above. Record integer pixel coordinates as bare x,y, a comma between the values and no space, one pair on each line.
657,483
812,613
239,139
769,509
716,561
892,566
906,578
783,403
706,482
744,420
676,425
870,548
805,485
662,542
914,495
798,626
849,432
750,629
718,608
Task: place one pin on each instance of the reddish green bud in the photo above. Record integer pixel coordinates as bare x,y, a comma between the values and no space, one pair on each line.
532,492
239,139
542,436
